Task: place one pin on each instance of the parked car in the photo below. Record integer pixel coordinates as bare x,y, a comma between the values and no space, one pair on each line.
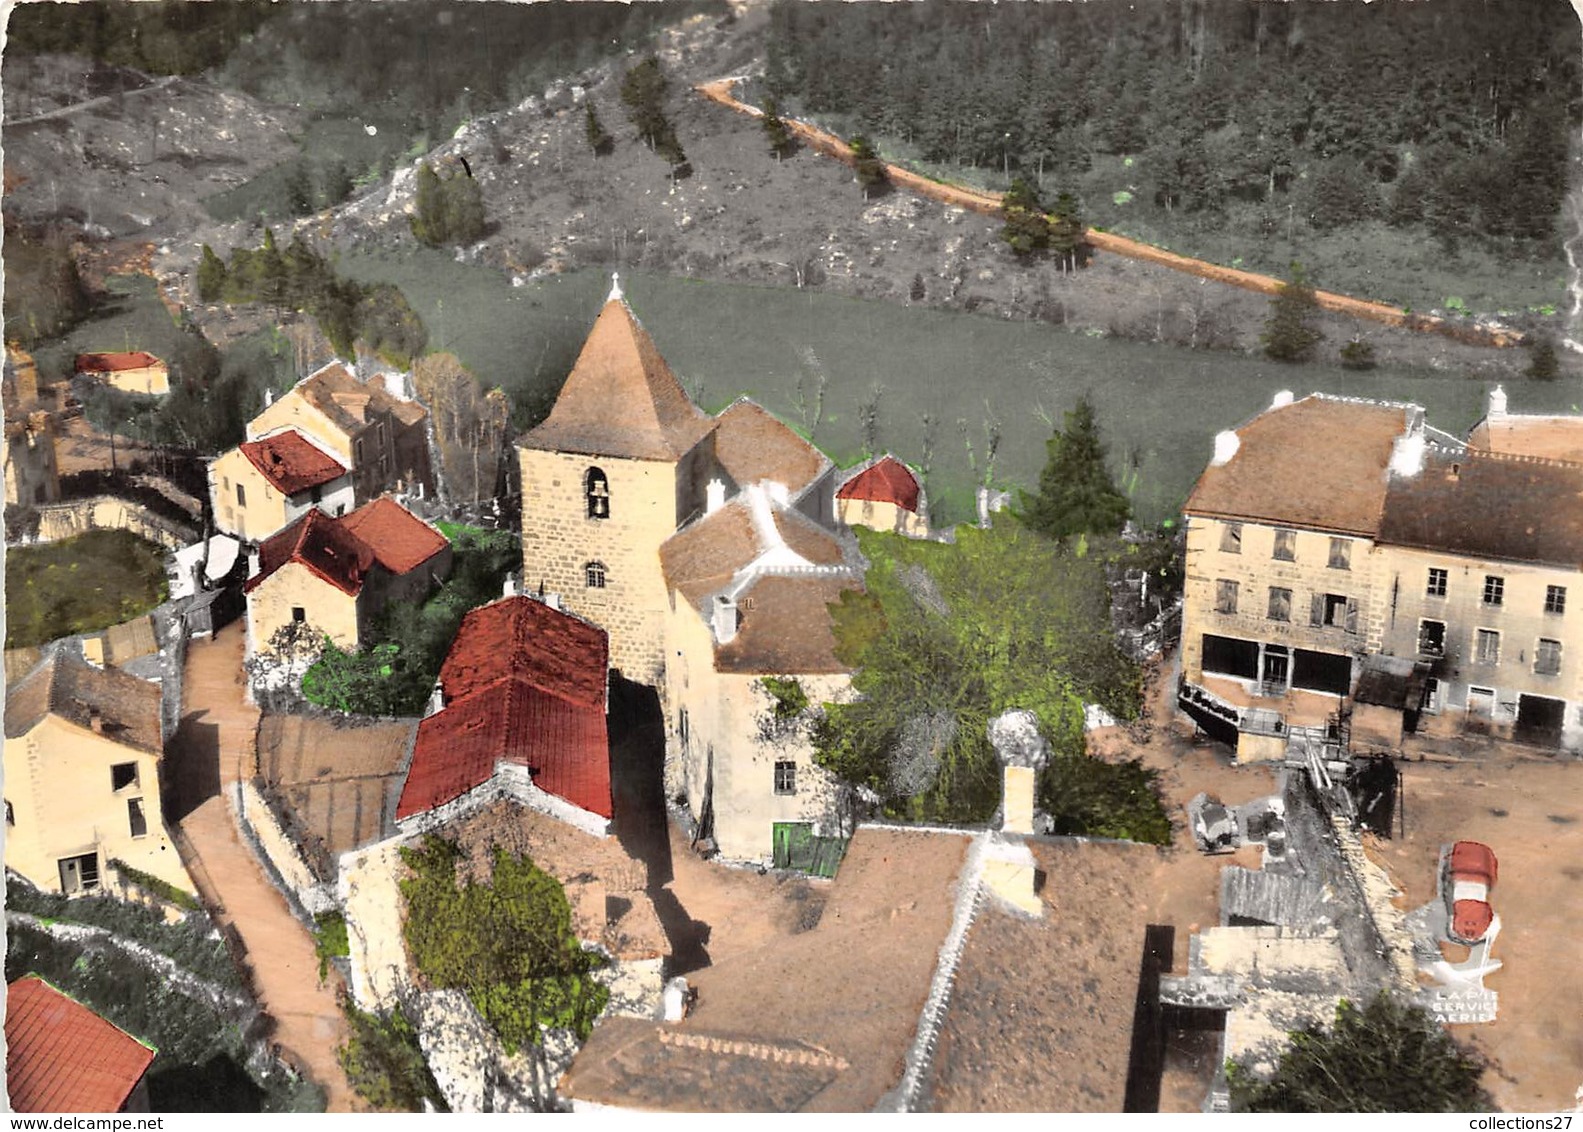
1468,873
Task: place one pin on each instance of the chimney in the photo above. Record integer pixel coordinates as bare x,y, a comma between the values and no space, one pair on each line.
511,587
436,700
1407,454
725,620
252,563
1226,445
269,396
1017,800
1497,402
1282,399
553,601
95,721
715,496
777,492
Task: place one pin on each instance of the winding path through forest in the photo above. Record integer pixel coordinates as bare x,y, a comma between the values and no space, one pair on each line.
720,91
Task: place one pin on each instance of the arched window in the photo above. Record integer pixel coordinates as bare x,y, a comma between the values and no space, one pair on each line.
596,488
594,574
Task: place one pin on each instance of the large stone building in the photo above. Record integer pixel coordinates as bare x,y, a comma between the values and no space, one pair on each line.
1345,561
83,748
382,439
708,548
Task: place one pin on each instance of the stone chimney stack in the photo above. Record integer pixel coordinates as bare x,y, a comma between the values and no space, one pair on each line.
1497,402
436,700
1010,870
1226,445
1282,399
725,620
553,601
715,497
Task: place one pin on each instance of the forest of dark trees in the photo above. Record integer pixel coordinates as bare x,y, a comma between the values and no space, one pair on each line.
435,62
1450,114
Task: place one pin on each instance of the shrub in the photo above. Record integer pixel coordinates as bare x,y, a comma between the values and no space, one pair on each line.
385,1064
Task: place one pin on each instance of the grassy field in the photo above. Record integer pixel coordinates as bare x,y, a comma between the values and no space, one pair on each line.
1159,406
131,318
80,585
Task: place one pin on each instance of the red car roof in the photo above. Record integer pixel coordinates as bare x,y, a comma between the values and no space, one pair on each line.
1473,859
1470,919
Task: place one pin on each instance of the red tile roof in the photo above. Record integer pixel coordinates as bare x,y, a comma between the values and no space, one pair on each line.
111,363
621,399
518,636
399,539
886,480
62,1057
322,544
525,684
291,462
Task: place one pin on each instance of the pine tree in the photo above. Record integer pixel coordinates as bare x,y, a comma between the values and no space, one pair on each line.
599,139
299,191
917,293
1543,364
1026,230
1289,332
1066,232
211,276
428,221
871,172
1076,493
780,138
643,94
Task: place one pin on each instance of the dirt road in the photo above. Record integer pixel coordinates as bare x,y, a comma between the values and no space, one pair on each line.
720,91
213,747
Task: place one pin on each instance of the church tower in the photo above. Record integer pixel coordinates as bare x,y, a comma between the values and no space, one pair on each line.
620,463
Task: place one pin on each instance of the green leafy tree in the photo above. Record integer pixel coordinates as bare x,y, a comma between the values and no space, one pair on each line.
1543,365
782,142
1076,495
1385,1057
599,138
211,276
945,637
1289,333
871,174
508,943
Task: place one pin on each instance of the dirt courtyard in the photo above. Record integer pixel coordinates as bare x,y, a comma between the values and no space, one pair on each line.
1529,809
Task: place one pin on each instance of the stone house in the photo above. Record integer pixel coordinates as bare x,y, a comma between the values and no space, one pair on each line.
337,574
131,372
263,485
382,439
82,779
1334,558
708,548
884,494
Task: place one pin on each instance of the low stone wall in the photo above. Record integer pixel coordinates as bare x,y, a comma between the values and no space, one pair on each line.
258,820
58,521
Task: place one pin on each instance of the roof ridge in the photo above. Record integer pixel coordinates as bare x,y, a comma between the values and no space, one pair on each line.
1506,457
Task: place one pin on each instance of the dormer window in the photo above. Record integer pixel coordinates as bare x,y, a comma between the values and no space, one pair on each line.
596,489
